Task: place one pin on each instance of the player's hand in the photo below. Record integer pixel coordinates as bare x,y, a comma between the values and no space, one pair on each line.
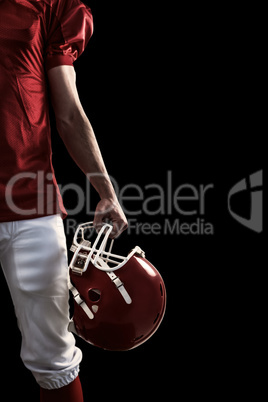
110,211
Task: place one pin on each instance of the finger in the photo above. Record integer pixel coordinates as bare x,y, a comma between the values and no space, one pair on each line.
98,222
118,228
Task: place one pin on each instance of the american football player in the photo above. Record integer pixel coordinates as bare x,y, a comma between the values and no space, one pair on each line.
39,42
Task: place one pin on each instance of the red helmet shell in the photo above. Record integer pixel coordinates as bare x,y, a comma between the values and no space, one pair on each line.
117,325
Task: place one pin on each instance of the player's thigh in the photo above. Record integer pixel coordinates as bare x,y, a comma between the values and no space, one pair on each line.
36,259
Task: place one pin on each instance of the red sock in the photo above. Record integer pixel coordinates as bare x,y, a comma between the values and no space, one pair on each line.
70,393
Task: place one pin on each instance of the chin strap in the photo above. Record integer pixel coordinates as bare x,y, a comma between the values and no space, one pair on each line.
115,279
120,286
78,300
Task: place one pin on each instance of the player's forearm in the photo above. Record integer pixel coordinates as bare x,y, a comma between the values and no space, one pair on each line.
80,141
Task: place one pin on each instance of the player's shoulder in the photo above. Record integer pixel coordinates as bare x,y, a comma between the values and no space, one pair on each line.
53,3
56,7
61,4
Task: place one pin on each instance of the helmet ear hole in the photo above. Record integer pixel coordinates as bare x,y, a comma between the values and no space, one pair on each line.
94,295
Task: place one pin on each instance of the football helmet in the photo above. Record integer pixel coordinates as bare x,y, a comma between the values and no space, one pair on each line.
119,301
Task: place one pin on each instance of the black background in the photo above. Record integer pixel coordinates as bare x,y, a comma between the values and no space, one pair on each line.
175,88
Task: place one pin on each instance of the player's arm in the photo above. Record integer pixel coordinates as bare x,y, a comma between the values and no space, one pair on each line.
80,141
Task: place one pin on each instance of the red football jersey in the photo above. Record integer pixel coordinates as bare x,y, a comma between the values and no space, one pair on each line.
35,35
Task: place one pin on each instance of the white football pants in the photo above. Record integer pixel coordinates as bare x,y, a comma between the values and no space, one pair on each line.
34,260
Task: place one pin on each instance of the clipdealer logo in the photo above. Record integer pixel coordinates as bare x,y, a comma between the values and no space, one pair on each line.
168,209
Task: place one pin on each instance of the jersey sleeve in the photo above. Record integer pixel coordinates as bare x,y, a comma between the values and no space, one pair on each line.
70,28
